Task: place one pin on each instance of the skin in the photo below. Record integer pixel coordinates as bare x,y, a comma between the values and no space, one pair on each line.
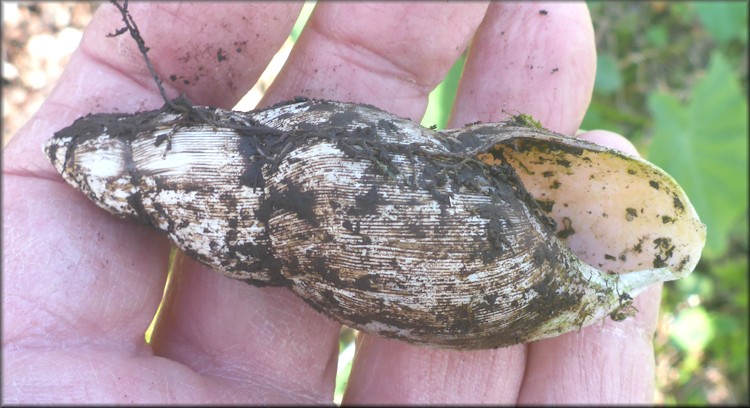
80,286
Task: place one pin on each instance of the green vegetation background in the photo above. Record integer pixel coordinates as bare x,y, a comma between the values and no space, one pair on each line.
672,77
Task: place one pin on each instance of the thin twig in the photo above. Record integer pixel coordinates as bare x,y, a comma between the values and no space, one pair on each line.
132,28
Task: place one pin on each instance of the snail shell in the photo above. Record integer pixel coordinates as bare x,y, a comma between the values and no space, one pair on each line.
453,239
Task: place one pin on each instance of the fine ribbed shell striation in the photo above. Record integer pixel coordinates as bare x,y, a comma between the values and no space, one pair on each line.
457,239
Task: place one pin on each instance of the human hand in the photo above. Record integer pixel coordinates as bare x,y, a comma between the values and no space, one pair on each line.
80,287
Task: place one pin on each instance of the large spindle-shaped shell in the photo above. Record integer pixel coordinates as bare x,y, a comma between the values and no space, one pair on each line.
454,239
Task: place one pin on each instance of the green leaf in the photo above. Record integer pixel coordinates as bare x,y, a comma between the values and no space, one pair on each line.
441,98
682,11
703,145
603,115
304,15
692,330
657,36
732,278
731,342
346,358
696,284
725,21
608,78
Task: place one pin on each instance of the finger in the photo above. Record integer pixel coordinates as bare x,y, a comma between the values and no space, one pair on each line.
394,372
107,74
265,337
75,276
389,55
532,58
495,374
607,362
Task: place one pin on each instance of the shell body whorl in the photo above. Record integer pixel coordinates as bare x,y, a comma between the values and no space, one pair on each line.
386,226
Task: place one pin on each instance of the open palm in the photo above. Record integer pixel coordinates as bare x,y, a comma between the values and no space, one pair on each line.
80,286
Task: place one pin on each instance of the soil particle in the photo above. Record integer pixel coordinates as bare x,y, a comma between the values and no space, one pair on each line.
567,229
631,214
366,204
